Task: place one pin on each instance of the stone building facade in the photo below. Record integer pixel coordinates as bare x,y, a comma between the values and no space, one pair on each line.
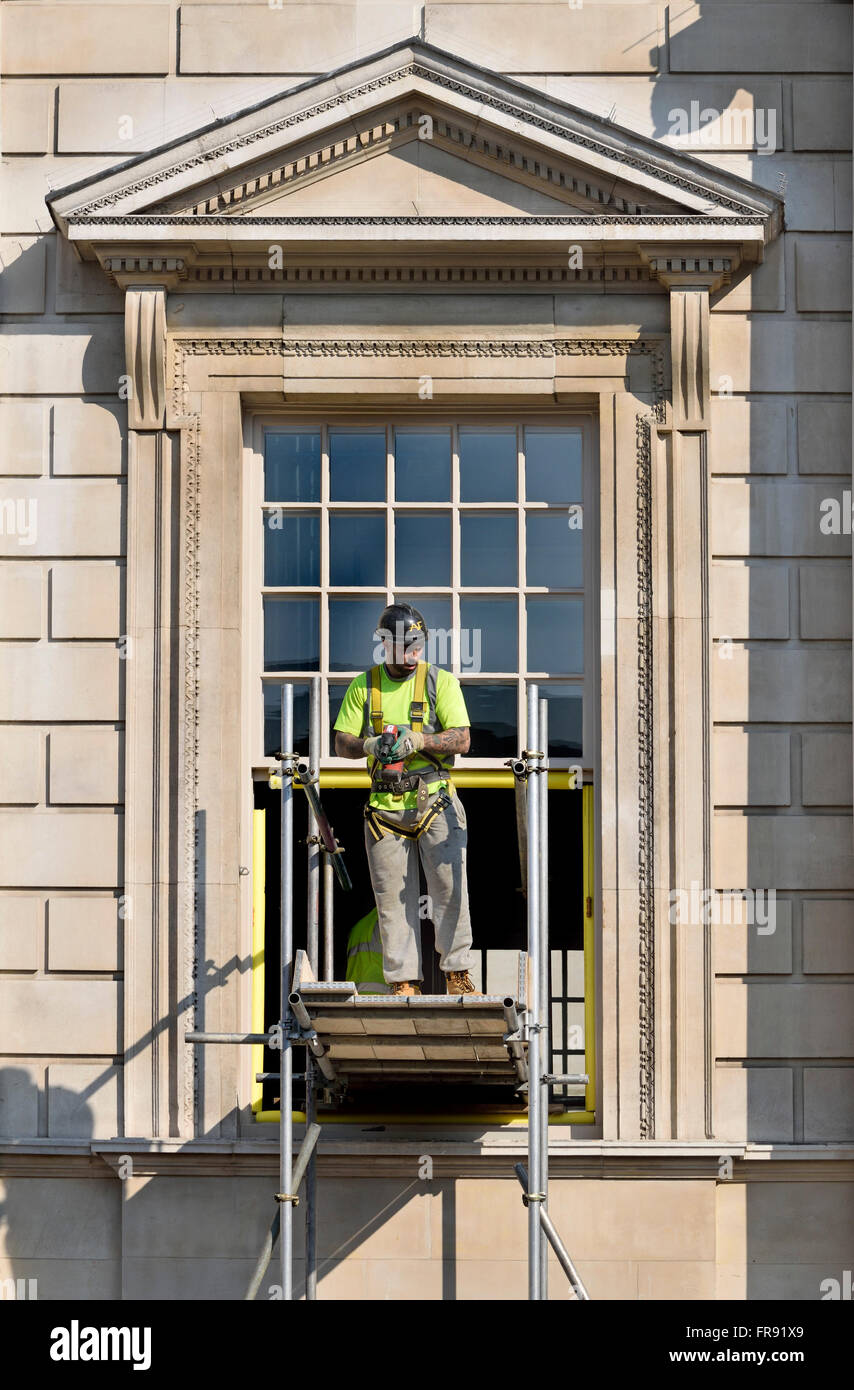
631,221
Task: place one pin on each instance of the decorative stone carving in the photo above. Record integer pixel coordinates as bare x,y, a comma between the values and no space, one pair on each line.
145,356
690,278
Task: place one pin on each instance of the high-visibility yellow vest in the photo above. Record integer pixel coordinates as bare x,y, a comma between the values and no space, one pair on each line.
365,955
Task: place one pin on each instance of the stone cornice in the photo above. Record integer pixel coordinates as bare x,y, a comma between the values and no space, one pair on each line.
531,220
469,1156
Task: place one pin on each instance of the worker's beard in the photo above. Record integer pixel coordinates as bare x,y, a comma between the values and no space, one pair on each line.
398,671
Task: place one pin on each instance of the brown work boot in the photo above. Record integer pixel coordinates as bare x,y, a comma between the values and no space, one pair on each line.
404,987
460,982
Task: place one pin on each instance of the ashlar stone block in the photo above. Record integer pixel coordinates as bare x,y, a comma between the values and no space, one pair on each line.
82,933
825,593
828,932
24,437
824,437
21,765
85,766
86,38
85,599
22,275
20,600
82,1100
749,600
21,936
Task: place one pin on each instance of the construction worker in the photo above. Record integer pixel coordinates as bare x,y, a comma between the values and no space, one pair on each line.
413,810
365,955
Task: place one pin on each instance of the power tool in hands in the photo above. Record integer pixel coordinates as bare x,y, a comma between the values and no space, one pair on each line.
388,739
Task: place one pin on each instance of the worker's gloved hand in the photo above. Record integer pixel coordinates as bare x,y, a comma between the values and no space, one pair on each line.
408,741
371,745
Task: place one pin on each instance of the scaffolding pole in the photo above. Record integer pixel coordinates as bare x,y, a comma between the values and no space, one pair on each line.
328,915
542,788
314,862
534,1195
314,856
286,1058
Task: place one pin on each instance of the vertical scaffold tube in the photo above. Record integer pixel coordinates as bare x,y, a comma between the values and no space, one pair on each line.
545,994
328,918
314,856
310,1185
313,942
286,909
535,1090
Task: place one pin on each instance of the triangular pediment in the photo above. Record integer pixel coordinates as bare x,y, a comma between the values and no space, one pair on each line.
413,145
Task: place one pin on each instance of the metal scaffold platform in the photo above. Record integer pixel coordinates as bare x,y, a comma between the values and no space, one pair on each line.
366,1041
426,1039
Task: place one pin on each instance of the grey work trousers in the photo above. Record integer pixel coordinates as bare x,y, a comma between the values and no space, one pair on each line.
393,863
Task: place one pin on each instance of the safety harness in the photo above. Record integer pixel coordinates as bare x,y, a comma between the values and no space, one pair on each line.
419,780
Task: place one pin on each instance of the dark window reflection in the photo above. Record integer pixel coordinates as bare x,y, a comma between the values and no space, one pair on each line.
553,551
291,549
357,548
357,465
552,465
492,711
489,636
292,466
291,634
488,557
487,465
273,720
422,465
422,548
352,624
555,634
565,718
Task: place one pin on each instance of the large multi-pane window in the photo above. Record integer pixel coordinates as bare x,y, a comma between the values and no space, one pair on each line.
487,527
481,526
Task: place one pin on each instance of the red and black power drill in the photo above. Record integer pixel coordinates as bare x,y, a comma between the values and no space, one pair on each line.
388,738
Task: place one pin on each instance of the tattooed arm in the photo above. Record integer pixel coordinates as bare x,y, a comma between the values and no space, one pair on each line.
448,741
349,746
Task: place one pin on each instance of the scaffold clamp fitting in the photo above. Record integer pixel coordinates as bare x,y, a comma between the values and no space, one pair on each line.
287,1197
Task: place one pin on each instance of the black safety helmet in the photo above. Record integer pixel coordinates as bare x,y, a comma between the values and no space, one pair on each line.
401,620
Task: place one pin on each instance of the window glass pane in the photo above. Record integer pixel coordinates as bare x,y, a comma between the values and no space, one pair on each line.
291,634
555,634
488,634
488,549
352,624
422,548
337,691
565,719
422,465
552,465
487,465
492,711
291,549
436,613
553,553
292,466
357,461
273,720
357,548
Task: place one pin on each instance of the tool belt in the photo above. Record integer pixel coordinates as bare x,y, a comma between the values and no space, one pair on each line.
379,825
407,781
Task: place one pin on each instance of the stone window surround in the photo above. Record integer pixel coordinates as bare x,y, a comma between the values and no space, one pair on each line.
184,701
